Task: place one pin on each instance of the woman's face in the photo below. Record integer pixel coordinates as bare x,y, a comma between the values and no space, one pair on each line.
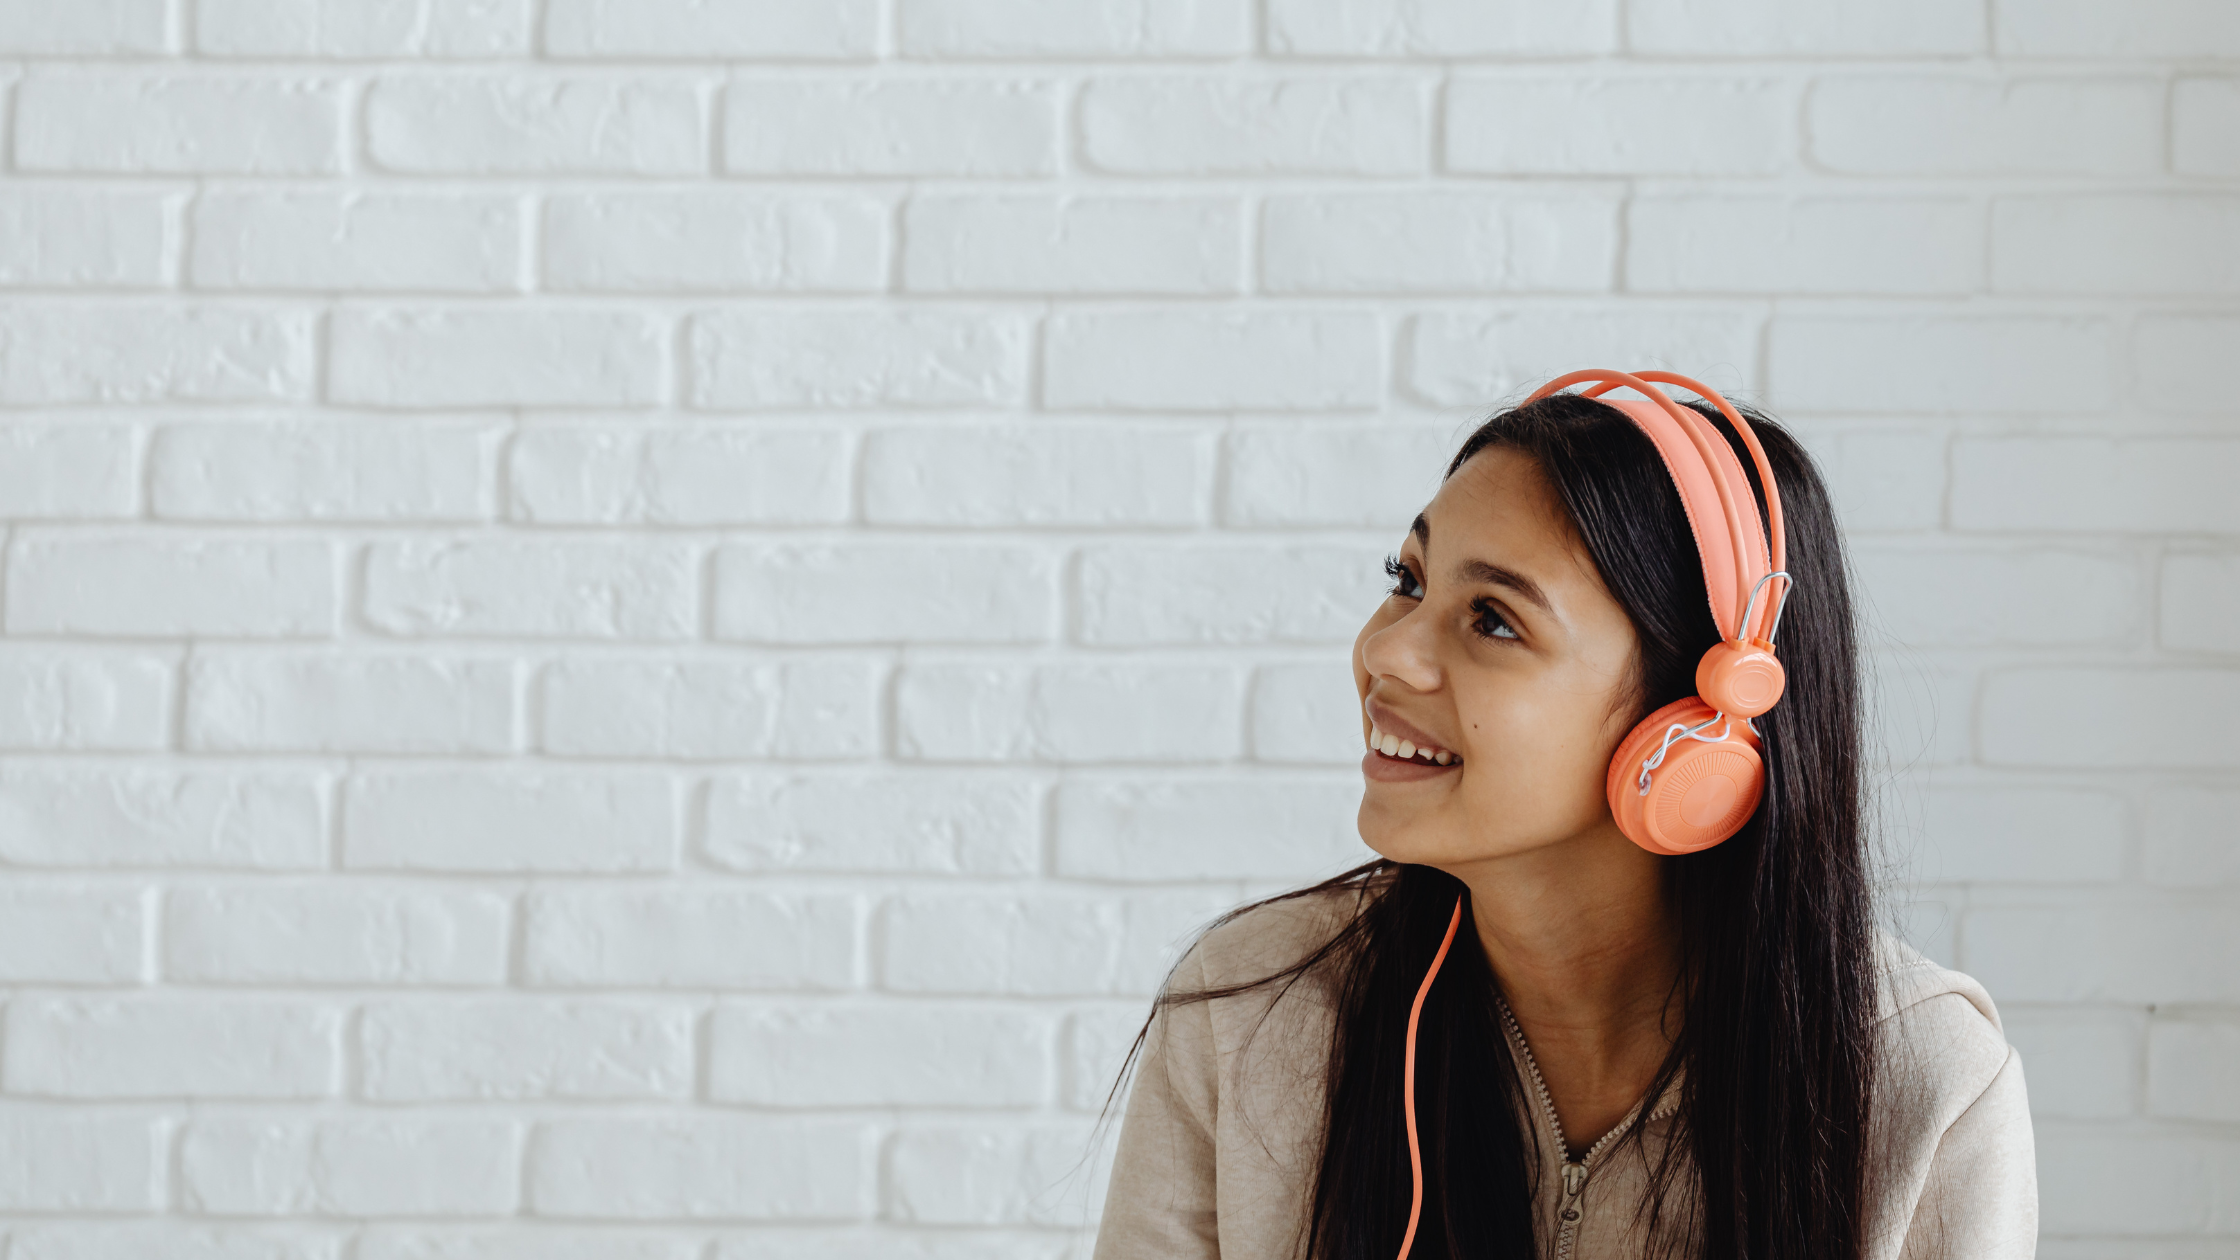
1501,648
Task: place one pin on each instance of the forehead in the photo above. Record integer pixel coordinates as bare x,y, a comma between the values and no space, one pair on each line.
1500,500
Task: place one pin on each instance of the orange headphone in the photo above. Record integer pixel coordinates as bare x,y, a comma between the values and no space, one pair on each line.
1672,788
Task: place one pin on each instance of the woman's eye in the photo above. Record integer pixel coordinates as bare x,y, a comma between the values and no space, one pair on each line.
1404,582
1490,622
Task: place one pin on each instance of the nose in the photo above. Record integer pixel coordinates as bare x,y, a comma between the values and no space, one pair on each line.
1403,651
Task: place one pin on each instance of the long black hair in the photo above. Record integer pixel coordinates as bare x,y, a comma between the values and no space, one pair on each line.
1774,1059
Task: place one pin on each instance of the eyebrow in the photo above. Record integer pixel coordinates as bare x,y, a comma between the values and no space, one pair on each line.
1488,572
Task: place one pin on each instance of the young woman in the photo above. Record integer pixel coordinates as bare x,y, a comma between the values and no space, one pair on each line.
1613,990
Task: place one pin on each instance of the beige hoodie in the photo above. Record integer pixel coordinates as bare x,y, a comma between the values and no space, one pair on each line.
1219,1145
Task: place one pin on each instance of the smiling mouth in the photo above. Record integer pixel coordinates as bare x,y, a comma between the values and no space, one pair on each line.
1402,750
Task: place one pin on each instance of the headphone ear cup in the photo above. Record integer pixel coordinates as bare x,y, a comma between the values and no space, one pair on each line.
1699,795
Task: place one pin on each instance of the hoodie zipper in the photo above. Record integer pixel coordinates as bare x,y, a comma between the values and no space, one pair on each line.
1572,1207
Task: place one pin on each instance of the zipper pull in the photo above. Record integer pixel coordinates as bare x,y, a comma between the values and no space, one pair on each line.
1574,1179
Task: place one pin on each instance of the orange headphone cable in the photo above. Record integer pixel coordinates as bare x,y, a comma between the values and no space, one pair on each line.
1408,1080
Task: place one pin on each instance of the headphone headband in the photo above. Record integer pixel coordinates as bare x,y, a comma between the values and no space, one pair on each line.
1722,513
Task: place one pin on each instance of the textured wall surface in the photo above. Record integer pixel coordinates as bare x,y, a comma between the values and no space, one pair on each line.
632,627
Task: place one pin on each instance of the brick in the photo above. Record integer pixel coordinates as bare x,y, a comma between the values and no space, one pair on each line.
357,241
828,1056
1200,593
173,1238
1130,713
336,933
2092,1179
2090,952
142,586
515,1242
955,1175
1095,1041
356,29
73,934
701,1167
698,710
1235,125
2200,603
1729,244
507,1049
2167,352
721,242
1924,710
881,593
2019,835
1438,243
1439,28
168,122
2165,485
1932,925
1475,361
393,470
985,29
154,354
1046,944
254,1166
2151,28
565,822
173,1048
72,469
1974,127
2205,127
2146,243
690,937
1623,126
1305,713
980,127
496,358
2086,717
1821,28
518,123
1964,364
80,1161
2002,597
238,702
775,1242
77,700
1256,828
815,30
2193,1069
85,28
636,475
1192,361
2188,842
54,816
1073,244
1040,475
1375,475
2082,1064
67,238
843,359
1881,479
642,588
865,824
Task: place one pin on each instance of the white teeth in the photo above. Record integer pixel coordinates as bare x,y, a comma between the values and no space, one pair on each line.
1376,737
1444,757
1390,747
1407,749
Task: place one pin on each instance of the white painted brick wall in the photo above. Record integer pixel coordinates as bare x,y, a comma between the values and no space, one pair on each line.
633,629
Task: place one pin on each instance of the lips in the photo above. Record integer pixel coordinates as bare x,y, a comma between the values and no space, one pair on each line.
1395,738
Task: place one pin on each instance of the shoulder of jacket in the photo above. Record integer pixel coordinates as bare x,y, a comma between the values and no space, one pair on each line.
1942,1043
1267,938
1905,979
